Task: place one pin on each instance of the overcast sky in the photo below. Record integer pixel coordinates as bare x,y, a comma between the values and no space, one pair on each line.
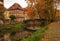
9,3
22,3
57,6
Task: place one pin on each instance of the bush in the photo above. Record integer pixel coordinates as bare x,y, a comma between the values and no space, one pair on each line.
35,36
12,17
12,27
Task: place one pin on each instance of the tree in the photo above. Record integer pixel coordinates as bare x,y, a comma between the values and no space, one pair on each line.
12,17
46,9
43,8
38,9
49,9
2,10
56,4
32,14
35,9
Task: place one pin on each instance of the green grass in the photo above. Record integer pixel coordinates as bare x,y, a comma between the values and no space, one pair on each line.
12,27
35,36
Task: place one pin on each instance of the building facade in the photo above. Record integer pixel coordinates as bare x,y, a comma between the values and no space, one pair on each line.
24,13
15,10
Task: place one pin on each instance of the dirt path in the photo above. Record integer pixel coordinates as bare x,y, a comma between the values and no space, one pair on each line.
53,32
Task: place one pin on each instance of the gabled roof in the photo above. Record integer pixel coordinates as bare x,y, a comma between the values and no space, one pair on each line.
15,7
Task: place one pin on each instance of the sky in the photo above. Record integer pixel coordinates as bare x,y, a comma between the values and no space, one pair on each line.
22,3
9,3
58,6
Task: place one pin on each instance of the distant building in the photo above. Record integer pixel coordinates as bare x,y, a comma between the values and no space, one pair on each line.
24,13
15,10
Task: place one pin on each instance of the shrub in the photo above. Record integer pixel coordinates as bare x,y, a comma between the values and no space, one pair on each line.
12,27
12,17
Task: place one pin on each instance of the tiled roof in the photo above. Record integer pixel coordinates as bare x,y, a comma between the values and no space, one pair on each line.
15,7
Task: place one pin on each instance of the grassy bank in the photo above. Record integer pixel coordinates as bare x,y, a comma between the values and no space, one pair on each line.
36,35
12,27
